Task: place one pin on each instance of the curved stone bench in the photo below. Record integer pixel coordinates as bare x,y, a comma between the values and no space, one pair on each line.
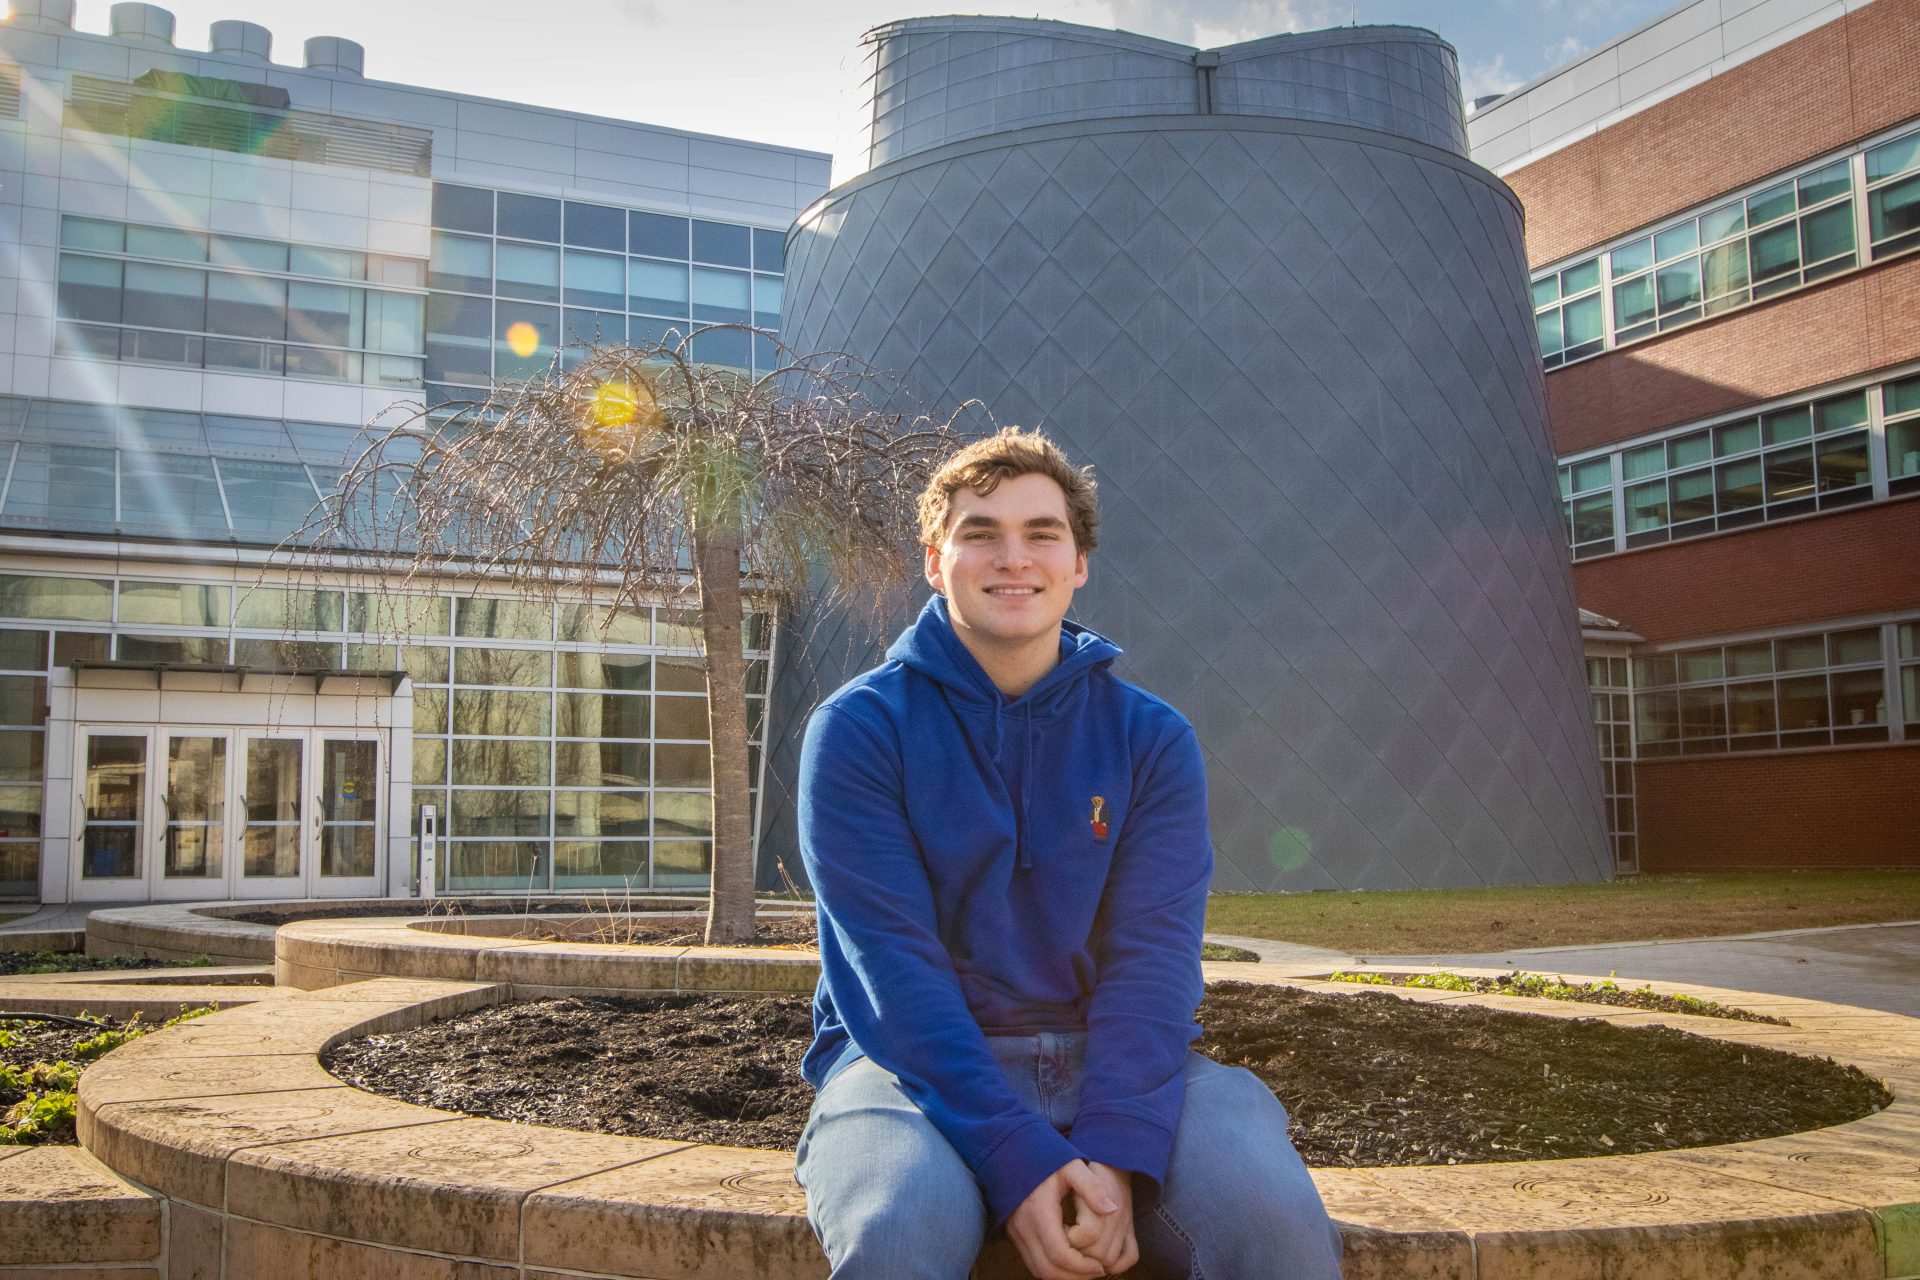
268,1162
64,1214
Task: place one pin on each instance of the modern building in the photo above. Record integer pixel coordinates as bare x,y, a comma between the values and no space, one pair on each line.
1723,209
214,269
1264,292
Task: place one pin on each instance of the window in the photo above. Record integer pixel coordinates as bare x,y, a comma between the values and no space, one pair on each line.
1818,689
1586,490
1902,417
1797,230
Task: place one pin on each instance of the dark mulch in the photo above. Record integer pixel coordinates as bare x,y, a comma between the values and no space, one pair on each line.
18,962
1610,992
684,931
1369,1079
26,1043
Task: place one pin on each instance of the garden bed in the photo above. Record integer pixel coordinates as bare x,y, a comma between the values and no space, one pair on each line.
1369,1079
14,963
40,1065
1540,987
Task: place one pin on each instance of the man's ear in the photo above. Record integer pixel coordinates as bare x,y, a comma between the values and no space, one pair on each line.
935,578
1080,571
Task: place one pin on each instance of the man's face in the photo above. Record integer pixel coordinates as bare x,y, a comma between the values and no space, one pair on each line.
1008,566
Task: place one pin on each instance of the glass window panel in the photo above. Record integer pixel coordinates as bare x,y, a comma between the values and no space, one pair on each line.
495,812
601,813
677,629
1903,396
1801,653
680,675
594,328
1545,290
461,263
1775,251
682,813
266,498
499,619
1737,485
1701,664
1703,712
462,208
65,599
429,710
660,288
23,650
769,250
23,700
1654,670
657,234
602,715
372,657
429,762
595,280
1736,437
601,764
246,306
1840,412
186,649
1584,322
1547,324
397,613
1910,693
524,667
93,233
253,255
726,348
527,337
1675,241
682,862
287,655
459,339
595,624
1894,210
19,821
426,664
172,493
756,632
501,713
1824,184
628,672
528,217
769,293
1859,698
1803,703
1633,302
1580,277
684,718
270,608
722,296
166,242
1566,481
1724,271
1893,157
89,289
1774,202
682,766
333,264
1755,659
22,759
1827,233
1903,448
394,322
1690,495
1686,450
1629,258
1750,707
165,297
1727,220
68,487
182,604
1678,286
1595,473
1646,506
1789,473
722,242
1789,424
1842,462
596,226
328,314
1845,648
581,864
385,268
114,806
528,271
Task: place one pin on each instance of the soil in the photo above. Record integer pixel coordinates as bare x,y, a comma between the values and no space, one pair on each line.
1518,984
19,962
1369,1079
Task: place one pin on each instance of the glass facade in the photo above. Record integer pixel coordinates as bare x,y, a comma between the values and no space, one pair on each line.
1817,454
159,295
566,748
1801,228
517,279
1609,676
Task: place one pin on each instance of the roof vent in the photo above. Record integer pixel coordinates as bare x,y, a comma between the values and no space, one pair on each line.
42,14
246,40
146,24
331,53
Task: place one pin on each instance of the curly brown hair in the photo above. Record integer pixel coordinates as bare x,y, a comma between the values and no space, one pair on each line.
1010,452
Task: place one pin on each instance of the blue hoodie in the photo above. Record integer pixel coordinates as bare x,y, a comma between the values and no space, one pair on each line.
986,865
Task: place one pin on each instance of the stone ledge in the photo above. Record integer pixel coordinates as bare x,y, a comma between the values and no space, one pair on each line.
152,1002
233,1120
60,1207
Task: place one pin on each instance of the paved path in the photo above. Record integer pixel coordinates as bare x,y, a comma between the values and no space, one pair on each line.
1876,966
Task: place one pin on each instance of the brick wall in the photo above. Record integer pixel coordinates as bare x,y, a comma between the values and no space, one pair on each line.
1841,82
1838,329
1861,560
1835,808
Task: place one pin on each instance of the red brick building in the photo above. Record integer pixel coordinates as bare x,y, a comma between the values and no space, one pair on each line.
1723,222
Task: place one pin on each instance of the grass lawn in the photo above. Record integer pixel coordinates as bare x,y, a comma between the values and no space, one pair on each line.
1424,921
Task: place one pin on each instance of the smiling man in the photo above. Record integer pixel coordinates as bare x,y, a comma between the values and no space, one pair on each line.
1009,849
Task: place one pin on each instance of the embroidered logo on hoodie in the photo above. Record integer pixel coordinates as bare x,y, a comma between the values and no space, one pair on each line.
1099,819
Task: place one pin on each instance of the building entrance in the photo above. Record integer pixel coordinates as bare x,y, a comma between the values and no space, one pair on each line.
175,812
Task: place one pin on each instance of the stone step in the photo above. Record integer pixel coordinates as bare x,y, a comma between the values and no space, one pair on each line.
60,1207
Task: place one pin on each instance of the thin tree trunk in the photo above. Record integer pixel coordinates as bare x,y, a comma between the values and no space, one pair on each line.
716,553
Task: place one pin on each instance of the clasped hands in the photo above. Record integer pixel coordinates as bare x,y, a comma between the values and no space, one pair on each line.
1098,1242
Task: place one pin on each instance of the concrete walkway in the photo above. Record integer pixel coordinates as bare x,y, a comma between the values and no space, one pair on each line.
1875,966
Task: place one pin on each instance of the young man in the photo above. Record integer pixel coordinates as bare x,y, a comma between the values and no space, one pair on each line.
1009,850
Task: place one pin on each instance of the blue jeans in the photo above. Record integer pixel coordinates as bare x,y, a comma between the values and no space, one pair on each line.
889,1199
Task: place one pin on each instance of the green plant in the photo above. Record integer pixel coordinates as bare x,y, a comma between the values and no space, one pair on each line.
39,1117
44,1108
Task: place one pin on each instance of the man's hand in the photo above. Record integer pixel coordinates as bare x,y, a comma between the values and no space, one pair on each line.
1107,1238
1038,1227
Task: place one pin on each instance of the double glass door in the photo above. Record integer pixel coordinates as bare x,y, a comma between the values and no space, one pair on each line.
204,813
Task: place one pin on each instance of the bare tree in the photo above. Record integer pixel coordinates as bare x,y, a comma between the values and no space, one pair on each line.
638,475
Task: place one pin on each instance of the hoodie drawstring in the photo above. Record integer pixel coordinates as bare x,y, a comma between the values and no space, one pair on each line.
1026,795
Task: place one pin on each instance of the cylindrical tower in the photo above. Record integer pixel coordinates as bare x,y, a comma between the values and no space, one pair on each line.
1264,292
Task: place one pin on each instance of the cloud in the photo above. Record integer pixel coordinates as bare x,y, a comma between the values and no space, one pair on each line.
1209,23
1477,79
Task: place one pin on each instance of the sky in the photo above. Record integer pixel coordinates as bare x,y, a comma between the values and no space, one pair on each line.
790,72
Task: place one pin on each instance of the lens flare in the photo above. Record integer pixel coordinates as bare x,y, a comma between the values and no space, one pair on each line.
522,339
614,404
